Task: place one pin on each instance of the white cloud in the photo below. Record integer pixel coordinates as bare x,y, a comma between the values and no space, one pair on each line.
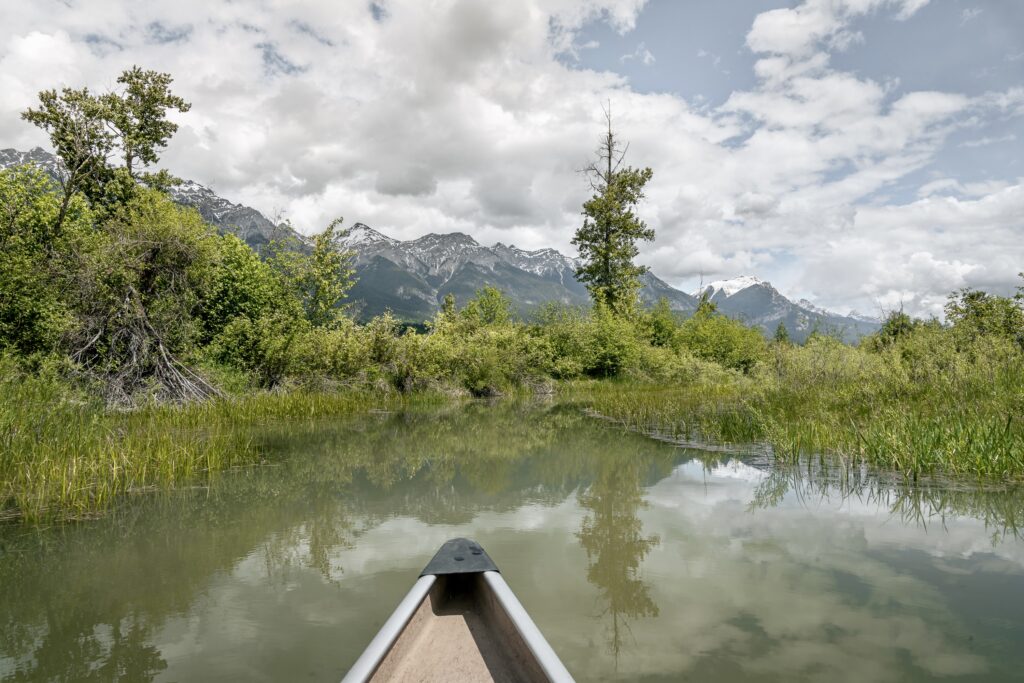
458,115
987,140
640,54
799,31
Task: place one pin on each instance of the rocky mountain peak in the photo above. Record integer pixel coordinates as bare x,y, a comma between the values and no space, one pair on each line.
456,239
411,278
362,234
36,156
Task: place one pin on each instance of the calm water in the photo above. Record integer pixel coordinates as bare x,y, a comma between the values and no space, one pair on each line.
639,560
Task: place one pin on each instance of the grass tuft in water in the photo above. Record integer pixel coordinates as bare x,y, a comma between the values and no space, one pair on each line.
66,457
962,418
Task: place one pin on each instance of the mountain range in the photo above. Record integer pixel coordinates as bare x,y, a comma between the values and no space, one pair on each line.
411,277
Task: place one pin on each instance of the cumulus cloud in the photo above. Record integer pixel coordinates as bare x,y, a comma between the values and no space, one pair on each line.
446,115
798,31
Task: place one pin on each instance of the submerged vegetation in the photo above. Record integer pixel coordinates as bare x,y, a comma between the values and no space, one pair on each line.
137,344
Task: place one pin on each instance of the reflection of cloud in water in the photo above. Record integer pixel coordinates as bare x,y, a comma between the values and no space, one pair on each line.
805,582
756,573
808,588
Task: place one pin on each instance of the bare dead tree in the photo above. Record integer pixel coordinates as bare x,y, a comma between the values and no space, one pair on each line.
610,154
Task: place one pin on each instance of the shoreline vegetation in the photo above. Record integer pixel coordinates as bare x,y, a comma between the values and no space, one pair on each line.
918,406
141,349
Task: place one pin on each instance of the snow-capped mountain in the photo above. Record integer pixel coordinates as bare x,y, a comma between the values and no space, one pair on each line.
412,277
759,304
246,222
364,234
729,287
542,262
37,156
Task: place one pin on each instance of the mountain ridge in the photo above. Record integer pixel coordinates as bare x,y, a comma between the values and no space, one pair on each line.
411,278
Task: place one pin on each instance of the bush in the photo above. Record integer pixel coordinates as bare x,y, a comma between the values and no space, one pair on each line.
262,347
978,314
714,337
240,284
36,261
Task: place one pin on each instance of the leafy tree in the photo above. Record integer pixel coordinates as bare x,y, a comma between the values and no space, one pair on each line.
80,138
705,306
88,130
240,284
781,334
897,325
36,264
489,307
607,240
448,306
977,314
320,278
661,323
138,116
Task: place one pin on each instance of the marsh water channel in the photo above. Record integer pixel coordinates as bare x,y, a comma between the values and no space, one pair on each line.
638,559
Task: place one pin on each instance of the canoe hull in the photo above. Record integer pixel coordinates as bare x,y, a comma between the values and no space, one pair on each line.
460,632
460,622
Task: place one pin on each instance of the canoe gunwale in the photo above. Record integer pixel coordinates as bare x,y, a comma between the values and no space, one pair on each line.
531,635
382,643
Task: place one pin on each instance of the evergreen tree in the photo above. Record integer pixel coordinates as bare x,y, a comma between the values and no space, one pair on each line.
781,334
607,240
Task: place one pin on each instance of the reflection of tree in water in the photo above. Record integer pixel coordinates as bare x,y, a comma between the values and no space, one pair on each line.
89,654
921,502
87,600
612,535
92,648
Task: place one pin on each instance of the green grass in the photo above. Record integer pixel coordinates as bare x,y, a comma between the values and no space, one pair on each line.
925,407
964,419
65,457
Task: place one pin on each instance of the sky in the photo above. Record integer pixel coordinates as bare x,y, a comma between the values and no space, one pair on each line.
863,154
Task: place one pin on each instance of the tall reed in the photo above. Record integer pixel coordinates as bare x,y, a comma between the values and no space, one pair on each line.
65,457
961,415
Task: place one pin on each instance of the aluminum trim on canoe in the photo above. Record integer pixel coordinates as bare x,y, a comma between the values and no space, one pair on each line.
382,643
546,657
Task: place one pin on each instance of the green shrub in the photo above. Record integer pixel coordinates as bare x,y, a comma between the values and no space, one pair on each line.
240,284
610,344
729,343
36,260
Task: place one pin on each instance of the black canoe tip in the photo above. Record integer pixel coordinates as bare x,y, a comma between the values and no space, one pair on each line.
459,556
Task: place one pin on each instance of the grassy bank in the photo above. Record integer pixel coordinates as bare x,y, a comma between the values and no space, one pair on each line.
931,401
920,407
68,457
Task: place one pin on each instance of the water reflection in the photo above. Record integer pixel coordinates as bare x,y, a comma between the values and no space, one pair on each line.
613,537
922,502
637,559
